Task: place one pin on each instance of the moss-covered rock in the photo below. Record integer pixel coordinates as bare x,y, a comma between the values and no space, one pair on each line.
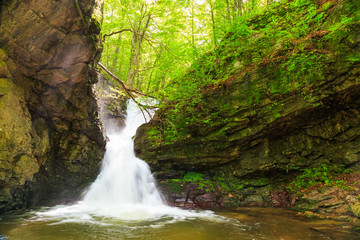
355,210
15,135
250,125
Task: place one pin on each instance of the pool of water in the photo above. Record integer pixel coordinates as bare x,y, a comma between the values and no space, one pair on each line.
247,223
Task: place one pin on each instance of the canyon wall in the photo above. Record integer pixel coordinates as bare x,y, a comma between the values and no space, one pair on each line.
51,144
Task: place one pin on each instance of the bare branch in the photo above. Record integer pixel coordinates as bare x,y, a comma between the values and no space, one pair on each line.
140,93
146,69
117,32
126,90
150,41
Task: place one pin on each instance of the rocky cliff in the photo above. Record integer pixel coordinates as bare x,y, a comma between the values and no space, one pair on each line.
256,130
51,144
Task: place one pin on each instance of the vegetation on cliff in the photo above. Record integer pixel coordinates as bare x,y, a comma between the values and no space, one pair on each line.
150,45
276,101
270,67
287,50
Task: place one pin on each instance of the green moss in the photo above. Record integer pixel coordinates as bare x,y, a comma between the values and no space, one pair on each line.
4,72
218,184
317,176
5,195
173,186
2,54
5,86
25,168
153,134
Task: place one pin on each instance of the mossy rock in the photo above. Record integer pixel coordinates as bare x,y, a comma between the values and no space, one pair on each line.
25,168
355,210
4,71
5,86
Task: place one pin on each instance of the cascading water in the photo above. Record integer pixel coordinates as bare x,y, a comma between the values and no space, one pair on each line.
124,179
125,188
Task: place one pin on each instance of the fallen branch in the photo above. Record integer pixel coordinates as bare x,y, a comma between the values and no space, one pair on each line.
141,107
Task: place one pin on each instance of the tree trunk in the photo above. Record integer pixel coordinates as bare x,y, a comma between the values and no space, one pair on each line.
138,36
240,7
117,51
213,22
192,27
152,71
228,10
133,60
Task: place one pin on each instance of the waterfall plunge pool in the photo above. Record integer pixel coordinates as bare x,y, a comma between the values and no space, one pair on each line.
245,224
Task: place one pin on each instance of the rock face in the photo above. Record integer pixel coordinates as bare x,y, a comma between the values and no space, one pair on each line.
258,139
276,134
51,144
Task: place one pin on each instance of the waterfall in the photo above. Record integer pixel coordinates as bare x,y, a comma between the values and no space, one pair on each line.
124,190
124,179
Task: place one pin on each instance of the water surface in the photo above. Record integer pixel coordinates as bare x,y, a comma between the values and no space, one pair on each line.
247,223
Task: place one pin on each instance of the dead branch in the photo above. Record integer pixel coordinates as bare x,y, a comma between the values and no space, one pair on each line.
150,41
127,91
117,32
140,93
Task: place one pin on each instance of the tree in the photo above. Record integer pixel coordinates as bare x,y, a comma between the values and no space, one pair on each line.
148,44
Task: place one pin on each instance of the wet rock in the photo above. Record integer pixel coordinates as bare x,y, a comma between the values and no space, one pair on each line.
330,202
254,200
282,198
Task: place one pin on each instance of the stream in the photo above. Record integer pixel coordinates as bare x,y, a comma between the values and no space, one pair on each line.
124,203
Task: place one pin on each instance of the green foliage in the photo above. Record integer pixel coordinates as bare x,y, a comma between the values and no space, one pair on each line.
217,184
178,32
322,175
188,54
174,186
291,42
193,177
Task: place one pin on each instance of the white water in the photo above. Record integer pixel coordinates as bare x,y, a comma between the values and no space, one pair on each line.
124,179
125,188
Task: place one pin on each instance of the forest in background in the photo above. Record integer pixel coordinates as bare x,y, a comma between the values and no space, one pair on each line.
148,44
